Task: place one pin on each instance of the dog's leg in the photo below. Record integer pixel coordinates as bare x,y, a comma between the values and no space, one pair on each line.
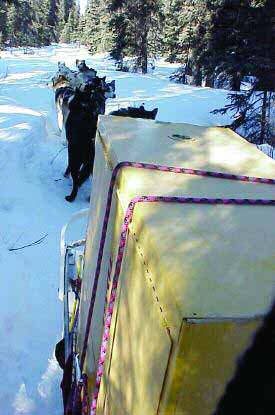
84,174
74,167
67,171
72,196
88,164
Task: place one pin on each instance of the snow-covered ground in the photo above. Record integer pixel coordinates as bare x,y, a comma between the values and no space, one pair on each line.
32,206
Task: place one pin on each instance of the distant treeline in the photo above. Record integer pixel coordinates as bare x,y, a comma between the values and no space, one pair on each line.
37,22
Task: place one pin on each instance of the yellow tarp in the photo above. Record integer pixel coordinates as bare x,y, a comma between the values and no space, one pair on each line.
190,274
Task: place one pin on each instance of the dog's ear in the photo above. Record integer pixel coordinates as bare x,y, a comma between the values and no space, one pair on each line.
104,78
154,112
113,84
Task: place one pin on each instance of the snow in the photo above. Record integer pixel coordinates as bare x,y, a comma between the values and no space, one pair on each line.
3,69
32,206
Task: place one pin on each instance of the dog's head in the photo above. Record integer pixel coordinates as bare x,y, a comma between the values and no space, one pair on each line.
81,65
64,71
106,88
62,68
60,64
149,115
59,81
110,89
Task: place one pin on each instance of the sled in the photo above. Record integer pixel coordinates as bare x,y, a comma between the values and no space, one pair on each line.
178,268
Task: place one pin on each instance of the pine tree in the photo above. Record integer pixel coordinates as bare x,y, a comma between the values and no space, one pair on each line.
46,21
118,28
254,109
19,23
70,30
138,19
172,30
51,18
65,7
96,32
3,23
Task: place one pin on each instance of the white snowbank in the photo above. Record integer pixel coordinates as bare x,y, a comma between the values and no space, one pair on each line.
3,69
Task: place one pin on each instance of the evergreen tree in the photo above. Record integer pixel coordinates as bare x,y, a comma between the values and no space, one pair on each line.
3,22
20,18
65,7
139,19
46,21
95,23
172,30
70,30
51,18
254,109
118,26
187,21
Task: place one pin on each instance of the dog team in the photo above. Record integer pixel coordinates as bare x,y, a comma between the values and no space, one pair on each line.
80,97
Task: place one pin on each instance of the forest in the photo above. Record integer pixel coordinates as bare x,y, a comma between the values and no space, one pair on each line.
218,43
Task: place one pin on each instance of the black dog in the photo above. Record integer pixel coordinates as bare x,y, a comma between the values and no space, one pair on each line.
134,112
80,129
81,109
99,89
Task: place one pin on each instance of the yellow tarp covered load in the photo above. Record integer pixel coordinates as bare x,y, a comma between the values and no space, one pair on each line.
195,279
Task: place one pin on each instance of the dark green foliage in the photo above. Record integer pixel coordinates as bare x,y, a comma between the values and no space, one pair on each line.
138,24
70,29
251,54
37,22
253,116
95,32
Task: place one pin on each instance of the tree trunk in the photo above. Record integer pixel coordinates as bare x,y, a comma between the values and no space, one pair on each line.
263,118
198,76
271,5
144,52
235,84
209,81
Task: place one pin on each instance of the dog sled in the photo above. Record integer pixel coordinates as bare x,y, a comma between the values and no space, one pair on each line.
175,273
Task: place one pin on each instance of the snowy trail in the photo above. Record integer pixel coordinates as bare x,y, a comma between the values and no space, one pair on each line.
32,205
